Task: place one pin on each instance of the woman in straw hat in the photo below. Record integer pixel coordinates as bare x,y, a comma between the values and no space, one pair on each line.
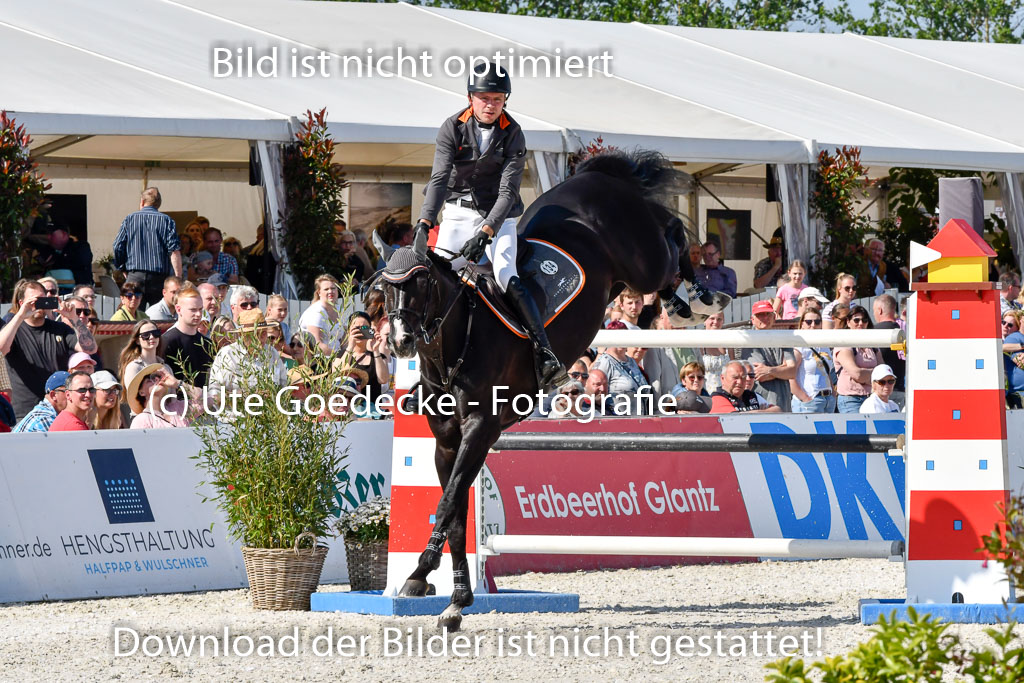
146,396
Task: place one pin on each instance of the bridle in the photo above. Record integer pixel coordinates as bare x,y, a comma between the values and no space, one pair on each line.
427,332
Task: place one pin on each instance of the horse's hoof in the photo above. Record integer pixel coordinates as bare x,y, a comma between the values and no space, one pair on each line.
451,619
718,302
414,588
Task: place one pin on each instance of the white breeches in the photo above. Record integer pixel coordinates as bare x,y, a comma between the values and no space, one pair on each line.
459,223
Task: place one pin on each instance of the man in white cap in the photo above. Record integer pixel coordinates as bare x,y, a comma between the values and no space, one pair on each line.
883,380
810,298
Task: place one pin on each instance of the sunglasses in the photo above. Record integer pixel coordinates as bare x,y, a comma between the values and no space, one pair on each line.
132,295
574,392
848,289
84,390
83,311
885,382
151,334
1009,323
50,292
695,377
248,304
812,321
751,375
579,375
858,320
113,390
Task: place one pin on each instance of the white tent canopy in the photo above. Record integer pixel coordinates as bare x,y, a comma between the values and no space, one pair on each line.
143,67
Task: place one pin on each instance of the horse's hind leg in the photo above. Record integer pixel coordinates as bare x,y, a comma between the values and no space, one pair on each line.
430,559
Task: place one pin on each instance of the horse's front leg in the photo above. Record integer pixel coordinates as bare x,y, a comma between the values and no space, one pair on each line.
430,559
454,508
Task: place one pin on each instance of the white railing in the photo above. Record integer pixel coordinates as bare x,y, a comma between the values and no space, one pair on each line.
746,339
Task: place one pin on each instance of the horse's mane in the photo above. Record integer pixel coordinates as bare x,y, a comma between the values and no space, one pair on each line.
649,171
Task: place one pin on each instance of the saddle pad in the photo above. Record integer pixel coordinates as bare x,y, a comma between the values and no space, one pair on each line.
551,275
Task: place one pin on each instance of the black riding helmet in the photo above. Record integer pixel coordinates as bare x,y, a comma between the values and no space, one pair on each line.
489,78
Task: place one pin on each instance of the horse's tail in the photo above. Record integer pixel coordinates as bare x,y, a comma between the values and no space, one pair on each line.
650,171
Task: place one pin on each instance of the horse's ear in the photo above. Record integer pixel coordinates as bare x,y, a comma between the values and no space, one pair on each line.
385,249
419,243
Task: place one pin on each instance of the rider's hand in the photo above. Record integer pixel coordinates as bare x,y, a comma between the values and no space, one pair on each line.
473,249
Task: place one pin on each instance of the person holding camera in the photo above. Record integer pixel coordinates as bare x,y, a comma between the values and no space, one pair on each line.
35,346
365,351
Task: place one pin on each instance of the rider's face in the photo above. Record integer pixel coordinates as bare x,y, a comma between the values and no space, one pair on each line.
487,106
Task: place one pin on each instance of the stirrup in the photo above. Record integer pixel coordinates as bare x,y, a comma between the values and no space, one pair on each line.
553,377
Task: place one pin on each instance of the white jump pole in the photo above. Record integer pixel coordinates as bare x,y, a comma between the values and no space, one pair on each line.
807,549
746,339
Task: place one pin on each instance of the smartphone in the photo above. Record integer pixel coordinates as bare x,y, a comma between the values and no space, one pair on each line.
47,303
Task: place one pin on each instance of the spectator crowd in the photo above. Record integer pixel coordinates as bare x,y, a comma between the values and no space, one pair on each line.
193,300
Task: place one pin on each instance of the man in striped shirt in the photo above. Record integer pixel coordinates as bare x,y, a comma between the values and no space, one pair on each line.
147,247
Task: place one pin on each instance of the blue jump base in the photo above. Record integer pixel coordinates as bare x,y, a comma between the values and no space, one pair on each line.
507,601
957,613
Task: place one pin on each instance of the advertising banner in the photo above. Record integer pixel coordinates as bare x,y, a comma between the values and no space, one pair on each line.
610,493
90,514
761,495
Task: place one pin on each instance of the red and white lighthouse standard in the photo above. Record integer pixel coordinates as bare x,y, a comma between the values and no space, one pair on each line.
956,423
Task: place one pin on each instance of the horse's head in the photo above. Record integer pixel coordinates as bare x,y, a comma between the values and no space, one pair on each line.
411,300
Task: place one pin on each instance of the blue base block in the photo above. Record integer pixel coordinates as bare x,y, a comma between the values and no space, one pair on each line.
373,602
957,613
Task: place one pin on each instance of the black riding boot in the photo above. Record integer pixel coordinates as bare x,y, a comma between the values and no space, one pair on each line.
550,370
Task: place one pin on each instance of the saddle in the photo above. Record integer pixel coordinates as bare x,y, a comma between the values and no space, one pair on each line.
551,275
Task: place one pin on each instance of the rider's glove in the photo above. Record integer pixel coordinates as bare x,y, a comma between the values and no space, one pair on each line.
473,249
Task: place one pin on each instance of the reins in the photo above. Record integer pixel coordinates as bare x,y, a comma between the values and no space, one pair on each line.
428,334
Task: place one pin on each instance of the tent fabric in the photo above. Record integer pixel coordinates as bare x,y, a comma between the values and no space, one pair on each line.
1011,185
144,67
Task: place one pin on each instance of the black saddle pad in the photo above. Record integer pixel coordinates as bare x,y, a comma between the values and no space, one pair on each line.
552,276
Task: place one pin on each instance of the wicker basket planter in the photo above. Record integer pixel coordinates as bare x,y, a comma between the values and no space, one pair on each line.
282,579
367,564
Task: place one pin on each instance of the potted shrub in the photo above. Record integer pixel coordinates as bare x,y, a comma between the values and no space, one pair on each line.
365,531
273,468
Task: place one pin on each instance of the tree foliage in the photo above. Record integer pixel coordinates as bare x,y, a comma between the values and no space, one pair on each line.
839,182
987,21
22,191
996,21
313,185
767,15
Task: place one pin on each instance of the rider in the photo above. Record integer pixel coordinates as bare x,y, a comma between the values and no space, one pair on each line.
478,167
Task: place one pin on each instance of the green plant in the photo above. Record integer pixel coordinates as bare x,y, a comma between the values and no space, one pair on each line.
368,523
22,192
913,208
918,649
840,180
106,262
273,468
1005,543
313,185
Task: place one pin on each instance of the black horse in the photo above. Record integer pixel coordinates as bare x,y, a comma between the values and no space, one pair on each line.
613,216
